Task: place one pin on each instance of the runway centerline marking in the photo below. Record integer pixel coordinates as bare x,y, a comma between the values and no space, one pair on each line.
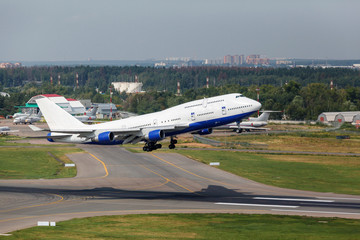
194,174
104,165
255,205
307,211
293,199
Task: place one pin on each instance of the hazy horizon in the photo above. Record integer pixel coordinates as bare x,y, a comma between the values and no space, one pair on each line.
41,30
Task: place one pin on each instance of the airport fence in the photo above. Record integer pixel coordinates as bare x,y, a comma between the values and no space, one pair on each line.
216,143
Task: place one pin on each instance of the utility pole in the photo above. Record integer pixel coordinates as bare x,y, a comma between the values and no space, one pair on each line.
77,80
258,97
110,103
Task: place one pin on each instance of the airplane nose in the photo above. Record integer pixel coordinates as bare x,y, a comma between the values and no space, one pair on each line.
257,105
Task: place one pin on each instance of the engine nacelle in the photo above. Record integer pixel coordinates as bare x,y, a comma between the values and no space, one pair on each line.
104,138
49,139
205,131
155,135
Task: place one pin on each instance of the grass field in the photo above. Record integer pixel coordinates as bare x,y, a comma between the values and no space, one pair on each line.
302,141
196,226
34,163
336,174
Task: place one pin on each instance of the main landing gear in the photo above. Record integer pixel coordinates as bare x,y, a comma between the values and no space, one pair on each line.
149,146
172,143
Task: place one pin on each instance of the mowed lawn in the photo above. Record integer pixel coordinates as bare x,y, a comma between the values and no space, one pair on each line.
312,142
34,163
196,226
336,174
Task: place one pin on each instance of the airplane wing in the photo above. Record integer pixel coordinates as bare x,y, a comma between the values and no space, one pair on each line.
136,135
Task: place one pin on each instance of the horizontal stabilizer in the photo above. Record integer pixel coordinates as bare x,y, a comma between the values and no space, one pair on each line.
37,129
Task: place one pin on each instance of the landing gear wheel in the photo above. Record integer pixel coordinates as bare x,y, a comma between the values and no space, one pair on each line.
149,146
172,143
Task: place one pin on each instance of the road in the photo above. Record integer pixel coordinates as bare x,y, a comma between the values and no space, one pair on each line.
113,181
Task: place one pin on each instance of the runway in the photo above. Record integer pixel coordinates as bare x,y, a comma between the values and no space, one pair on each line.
112,181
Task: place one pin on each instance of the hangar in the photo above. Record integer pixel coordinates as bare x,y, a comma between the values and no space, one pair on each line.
338,118
72,106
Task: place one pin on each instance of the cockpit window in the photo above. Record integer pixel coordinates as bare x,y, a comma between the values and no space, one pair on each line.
239,96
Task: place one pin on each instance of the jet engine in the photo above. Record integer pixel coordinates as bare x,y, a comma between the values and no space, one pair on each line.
155,135
205,131
104,138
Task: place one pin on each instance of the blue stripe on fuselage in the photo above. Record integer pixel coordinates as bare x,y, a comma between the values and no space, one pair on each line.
211,123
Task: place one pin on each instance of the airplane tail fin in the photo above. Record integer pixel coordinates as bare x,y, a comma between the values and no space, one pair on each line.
263,117
93,111
56,117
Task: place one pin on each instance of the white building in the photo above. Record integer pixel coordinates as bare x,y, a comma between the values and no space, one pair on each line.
128,87
338,118
70,105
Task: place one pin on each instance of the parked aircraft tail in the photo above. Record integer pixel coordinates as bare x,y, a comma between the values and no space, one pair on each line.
263,117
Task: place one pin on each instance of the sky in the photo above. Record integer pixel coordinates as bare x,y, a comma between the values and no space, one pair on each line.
70,30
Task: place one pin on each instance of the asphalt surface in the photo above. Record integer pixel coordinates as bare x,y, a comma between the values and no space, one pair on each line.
113,181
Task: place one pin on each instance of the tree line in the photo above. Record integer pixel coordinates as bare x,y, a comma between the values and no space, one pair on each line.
303,93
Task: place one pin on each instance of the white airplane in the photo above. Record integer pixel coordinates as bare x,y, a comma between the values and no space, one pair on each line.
196,116
88,115
252,124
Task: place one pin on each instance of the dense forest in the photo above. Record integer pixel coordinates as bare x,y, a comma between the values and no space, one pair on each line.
303,93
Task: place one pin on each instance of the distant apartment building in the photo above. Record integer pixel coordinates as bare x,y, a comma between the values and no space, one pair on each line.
283,62
10,65
213,61
257,60
234,60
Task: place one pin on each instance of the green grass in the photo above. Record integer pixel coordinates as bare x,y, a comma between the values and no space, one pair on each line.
336,174
196,226
34,163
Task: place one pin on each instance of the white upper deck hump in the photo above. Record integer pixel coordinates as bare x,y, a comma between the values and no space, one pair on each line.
56,117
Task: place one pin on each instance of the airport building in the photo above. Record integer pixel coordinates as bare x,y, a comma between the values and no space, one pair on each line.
104,110
70,105
339,118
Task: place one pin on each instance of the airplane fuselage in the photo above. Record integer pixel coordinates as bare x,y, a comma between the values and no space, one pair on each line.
199,115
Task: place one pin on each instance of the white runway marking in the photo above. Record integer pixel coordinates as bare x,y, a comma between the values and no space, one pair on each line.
293,199
256,205
336,198
302,211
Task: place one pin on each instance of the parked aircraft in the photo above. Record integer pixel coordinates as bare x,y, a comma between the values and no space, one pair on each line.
88,115
196,116
5,130
252,124
29,118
